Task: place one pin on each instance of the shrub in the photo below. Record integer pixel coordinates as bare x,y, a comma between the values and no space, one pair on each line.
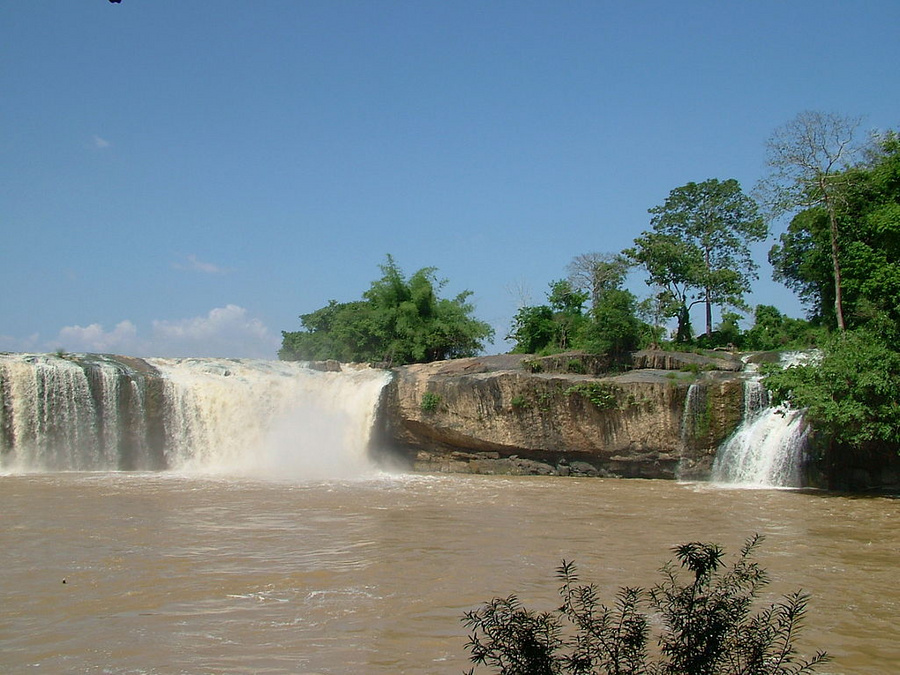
602,395
706,625
430,402
519,401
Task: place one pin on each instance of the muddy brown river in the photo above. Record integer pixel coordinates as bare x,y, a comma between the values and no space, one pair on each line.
163,573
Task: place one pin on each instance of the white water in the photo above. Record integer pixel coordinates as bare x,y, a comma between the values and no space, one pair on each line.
767,449
268,417
244,417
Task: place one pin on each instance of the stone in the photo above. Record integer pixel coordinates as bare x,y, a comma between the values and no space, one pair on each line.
502,415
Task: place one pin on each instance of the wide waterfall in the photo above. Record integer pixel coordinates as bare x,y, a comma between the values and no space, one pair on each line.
91,412
768,448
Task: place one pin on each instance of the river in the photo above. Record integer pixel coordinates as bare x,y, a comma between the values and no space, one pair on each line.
108,572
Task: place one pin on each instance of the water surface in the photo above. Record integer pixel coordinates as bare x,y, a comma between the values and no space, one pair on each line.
164,573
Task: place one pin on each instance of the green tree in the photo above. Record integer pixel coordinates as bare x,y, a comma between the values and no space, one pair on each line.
699,249
852,393
610,327
567,304
533,329
555,326
808,157
614,328
866,208
773,330
706,625
802,262
398,321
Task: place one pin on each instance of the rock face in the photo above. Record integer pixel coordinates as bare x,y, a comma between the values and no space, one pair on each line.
567,414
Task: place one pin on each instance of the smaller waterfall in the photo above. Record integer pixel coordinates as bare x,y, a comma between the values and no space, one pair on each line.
768,448
694,407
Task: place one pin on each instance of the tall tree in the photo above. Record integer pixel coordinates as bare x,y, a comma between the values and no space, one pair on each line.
807,157
699,248
866,201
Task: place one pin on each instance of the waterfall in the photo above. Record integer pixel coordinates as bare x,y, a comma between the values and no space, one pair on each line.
694,407
251,417
768,447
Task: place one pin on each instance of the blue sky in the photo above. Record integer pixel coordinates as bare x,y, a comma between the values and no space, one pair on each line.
186,178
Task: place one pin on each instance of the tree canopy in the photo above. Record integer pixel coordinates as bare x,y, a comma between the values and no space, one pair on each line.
808,158
608,327
399,320
866,209
698,250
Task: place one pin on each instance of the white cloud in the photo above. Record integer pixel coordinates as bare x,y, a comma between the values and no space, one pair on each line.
194,264
101,143
121,339
224,331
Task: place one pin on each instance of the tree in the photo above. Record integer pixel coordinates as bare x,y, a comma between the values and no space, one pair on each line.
852,393
533,329
614,328
567,304
801,260
773,330
596,273
806,157
555,326
866,201
699,250
706,625
398,321
610,327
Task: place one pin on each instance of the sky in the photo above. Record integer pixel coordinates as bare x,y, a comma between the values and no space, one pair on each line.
187,178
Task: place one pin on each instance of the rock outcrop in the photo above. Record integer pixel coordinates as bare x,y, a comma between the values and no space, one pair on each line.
571,414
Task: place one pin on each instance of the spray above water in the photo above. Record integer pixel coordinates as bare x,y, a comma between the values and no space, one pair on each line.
222,416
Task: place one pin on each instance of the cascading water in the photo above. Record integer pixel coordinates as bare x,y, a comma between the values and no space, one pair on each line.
767,449
694,405
91,412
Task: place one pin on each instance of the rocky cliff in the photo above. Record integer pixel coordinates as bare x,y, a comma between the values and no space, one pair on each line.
660,415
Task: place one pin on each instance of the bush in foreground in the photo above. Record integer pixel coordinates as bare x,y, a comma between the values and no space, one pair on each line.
706,625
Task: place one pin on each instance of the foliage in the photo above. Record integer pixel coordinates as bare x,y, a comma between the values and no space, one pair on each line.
866,209
852,393
533,329
808,159
597,273
615,329
601,394
566,303
430,402
707,625
698,250
609,327
801,260
773,330
519,401
399,321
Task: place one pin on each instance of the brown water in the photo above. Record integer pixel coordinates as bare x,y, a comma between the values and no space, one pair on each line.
171,574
